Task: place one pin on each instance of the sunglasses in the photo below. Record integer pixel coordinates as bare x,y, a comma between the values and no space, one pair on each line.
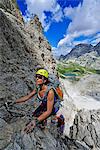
39,76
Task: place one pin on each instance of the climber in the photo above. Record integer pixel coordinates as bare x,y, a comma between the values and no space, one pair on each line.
48,98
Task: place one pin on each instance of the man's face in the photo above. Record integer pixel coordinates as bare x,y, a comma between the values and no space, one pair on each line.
39,79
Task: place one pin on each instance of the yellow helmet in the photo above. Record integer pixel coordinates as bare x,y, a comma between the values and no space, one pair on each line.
43,72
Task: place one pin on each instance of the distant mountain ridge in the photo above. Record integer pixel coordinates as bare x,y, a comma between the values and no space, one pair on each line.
80,50
97,48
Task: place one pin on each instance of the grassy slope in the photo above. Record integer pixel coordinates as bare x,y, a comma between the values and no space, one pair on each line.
76,69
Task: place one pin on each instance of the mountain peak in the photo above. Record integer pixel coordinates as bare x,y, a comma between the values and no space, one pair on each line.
79,50
83,45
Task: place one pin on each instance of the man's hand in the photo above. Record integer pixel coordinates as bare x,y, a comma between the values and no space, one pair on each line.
30,127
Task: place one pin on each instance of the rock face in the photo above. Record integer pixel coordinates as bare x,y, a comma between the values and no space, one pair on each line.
86,128
22,48
91,86
13,138
85,96
11,7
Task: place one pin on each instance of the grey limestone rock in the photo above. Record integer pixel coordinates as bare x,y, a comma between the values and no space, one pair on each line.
86,128
91,86
19,55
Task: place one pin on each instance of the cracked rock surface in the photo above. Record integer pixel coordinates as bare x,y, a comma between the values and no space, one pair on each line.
86,128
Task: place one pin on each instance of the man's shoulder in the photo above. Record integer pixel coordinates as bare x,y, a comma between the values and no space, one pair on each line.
51,92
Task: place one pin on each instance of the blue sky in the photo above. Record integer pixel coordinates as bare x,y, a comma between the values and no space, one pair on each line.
66,23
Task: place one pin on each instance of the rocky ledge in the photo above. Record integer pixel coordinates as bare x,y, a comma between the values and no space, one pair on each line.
83,135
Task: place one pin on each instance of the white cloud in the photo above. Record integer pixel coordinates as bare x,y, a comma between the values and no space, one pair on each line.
97,36
58,51
96,39
87,18
68,39
85,22
58,16
94,42
86,41
70,12
39,7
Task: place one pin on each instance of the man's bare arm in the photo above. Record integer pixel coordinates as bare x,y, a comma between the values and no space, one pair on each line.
26,98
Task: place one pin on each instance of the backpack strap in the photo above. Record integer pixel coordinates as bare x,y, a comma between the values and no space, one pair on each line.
55,93
45,96
44,99
57,101
47,91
